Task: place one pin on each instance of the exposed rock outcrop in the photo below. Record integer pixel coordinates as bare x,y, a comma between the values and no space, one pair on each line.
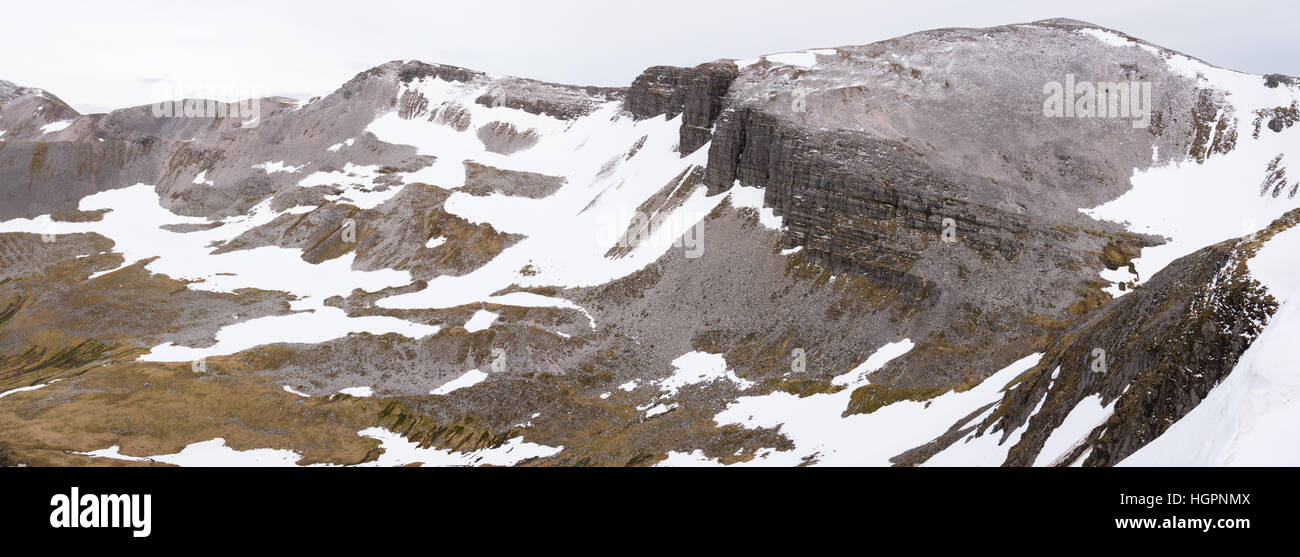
1150,357
696,93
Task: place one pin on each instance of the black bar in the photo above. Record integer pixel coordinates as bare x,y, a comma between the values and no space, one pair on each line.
299,505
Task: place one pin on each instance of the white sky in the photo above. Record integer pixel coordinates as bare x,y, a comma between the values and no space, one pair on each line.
100,55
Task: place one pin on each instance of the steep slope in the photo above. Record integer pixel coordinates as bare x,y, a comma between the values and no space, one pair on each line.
1131,368
1162,348
1249,418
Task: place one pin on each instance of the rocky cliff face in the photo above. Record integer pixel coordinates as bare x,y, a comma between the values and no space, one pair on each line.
1147,359
847,195
695,93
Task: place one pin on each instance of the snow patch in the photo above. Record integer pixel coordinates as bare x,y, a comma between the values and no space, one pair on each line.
1277,265
745,196
469,379
277,166
658,409
29,388
337,146
693,368
820,434
212,453
1206,203
858,375
991,448
358,184
566,234
135,224
55,126
1107,37
481,320
805,59
361,392
1086,416
399,451
321,324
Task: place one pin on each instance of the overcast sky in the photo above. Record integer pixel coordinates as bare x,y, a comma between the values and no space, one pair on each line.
100,55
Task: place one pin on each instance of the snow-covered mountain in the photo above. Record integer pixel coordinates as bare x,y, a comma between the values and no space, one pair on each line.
904,253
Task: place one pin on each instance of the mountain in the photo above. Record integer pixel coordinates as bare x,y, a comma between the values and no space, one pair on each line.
1037,244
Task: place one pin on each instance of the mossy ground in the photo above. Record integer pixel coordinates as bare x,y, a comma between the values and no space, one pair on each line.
151,409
